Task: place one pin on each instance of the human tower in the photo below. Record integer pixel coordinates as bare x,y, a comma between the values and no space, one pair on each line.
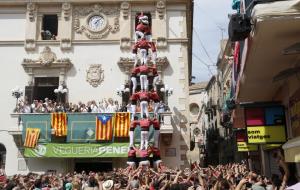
144,73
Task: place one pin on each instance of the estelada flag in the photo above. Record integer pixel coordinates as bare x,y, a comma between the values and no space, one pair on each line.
122,124
104,126
59,124
32,137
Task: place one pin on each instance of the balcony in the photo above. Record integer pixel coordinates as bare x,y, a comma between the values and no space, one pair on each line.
81,127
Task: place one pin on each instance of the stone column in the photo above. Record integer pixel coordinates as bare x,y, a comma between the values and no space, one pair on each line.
31,27
65,26
125,26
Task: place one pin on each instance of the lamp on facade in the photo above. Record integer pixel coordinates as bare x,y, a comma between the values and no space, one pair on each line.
17,93
167,92
60,91
122,90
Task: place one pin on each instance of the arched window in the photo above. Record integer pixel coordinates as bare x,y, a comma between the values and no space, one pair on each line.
2,156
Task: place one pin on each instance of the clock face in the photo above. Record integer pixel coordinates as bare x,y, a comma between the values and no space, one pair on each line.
96,22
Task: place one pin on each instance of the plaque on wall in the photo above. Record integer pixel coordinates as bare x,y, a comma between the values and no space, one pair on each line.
170,152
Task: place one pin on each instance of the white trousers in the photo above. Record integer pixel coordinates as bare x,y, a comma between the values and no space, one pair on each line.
144,140
132,164
134,84
156,105
131,138
154,83
135,57
144,163
133,110
156,164
154,55
144,82
144,57
156,138
144,108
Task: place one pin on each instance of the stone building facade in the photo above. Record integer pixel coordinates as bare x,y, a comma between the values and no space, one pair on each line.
91,61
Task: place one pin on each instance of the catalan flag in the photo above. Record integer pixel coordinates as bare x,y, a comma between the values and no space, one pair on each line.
32,137
104,125
122,124
59,124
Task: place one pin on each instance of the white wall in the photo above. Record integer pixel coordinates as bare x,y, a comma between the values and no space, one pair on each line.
12,26
175,24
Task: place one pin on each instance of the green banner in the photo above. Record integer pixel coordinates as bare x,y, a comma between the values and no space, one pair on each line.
55,150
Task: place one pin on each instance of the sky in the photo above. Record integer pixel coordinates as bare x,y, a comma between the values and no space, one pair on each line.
210,26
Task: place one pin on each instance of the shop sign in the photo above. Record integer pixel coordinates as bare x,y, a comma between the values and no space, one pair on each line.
242,144
265,124
245,147
54,150
266,134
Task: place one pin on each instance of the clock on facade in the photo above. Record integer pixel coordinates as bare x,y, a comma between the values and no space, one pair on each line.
96,23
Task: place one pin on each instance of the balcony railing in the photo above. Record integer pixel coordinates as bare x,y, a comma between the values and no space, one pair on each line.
81,127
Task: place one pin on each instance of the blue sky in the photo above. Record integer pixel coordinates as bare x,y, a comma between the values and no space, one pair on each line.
210,24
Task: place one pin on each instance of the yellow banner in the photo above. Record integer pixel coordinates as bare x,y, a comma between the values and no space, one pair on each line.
244,147
266,134
270,146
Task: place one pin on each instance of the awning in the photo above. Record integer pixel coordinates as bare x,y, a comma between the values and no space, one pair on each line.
278,8
292,150
276,27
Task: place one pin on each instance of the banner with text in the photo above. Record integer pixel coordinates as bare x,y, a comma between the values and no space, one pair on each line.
55,150
265,124
245,147
266,134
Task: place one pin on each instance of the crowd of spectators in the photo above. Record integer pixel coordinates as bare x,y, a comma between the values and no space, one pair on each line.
103,106
232,176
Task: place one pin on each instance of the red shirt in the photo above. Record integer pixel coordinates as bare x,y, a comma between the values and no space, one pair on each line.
135,71
131,153
145,123
143,96
156,124
154,96
134,123
156,152
144,69
143,28
134,97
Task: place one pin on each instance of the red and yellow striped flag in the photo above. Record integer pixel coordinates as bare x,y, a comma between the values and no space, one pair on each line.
122,124
59,123
32,137
104,125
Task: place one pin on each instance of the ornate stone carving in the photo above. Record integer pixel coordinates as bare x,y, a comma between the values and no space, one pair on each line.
47,56
97,9
65,44
125,43
161,42
160,7
95,75
125,6
66,9
46,61
31,11
29,44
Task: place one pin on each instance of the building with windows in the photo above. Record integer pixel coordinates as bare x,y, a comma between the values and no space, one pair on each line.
85,48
